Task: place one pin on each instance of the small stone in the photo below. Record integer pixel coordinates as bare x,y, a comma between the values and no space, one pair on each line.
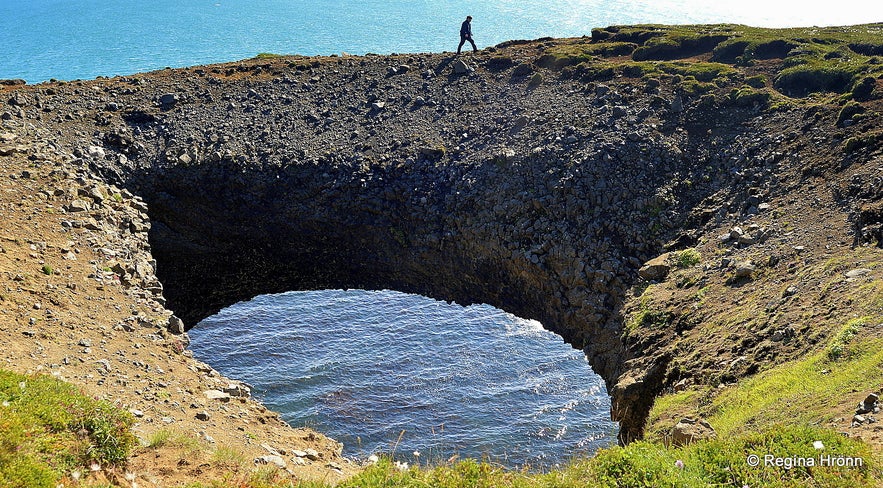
299,453
746,239
790,291
168,99
95,152
235,390
203,415
85,343
217,395
168,420
312,454
858,420
461,68
857,273
136,413
78,205
745,269
270,459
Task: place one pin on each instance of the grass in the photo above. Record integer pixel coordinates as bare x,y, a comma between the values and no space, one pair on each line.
687,258
816,383
648,464
808,60
48,428
173,438
648,316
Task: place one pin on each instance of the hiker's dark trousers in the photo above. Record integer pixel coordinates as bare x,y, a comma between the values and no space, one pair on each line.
463,40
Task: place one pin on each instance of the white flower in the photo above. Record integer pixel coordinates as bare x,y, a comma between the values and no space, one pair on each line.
75,475
373,459
401,466
95,467
417,454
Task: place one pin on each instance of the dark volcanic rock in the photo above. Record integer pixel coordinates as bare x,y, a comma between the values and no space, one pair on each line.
305,174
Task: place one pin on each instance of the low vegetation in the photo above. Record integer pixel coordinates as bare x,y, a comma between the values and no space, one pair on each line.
807,61
642,464
49,429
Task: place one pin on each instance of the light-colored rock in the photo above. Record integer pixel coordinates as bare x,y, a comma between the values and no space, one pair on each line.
95,152
237,390
461,68
745,269
312,454
656,269
271,459
857,273
217,395
690,430
78,205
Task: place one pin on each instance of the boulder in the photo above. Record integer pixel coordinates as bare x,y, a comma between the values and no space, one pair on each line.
217,395
271,459
656,269
690,430
175,325
745,269
870,405
461,68
168,99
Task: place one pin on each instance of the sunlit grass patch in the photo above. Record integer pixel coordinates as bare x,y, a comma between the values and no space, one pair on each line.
49,428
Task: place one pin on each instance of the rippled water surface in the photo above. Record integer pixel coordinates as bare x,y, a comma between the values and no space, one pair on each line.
386,371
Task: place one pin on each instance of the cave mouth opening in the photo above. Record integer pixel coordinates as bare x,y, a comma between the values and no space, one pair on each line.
421,379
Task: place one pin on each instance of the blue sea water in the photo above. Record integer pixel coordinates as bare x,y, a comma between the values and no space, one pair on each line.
389,372
82,39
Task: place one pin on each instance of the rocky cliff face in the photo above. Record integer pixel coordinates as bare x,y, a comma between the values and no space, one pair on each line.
527,188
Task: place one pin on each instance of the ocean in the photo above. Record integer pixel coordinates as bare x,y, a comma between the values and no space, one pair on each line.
388,372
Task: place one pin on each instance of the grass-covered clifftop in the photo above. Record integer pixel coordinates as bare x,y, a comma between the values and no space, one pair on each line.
742,165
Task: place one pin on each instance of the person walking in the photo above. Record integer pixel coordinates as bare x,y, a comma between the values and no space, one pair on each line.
466,34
